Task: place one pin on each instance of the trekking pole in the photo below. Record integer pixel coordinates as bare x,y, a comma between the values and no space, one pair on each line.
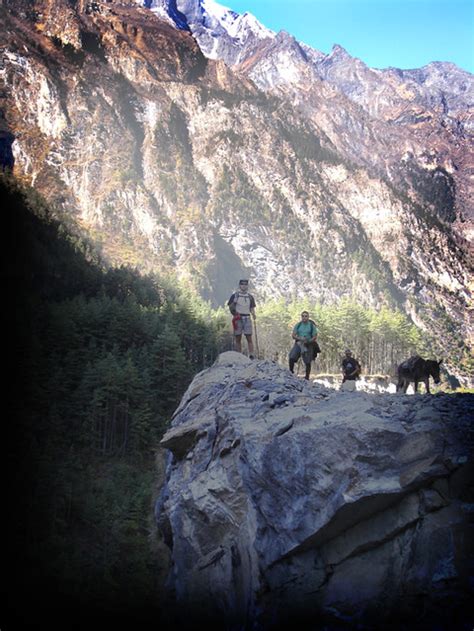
256,338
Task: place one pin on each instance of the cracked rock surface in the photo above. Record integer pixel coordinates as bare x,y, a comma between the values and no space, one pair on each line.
285,500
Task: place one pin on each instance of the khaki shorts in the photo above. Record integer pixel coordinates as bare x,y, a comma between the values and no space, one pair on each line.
243,325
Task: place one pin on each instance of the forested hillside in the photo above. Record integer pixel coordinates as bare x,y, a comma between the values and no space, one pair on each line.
381,338
98,361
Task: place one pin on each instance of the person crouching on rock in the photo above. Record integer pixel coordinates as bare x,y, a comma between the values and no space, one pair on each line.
242,306
305,334
350,367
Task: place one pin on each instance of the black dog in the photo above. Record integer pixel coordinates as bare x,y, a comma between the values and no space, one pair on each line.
417,369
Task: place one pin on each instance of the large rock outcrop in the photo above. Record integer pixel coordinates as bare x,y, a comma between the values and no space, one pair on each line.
286,501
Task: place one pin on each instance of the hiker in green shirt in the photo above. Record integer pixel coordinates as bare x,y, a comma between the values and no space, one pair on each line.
305,334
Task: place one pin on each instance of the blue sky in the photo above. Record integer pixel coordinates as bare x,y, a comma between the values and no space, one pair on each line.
382,33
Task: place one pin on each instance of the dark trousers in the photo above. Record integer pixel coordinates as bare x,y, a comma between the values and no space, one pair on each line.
295,353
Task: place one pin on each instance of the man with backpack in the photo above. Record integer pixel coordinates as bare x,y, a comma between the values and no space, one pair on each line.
305,334
242,306
350,367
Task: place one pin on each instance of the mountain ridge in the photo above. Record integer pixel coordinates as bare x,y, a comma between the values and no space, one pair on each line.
429,94
175,161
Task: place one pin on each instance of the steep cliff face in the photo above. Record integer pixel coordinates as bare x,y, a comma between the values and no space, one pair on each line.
289,503
173,161
415,123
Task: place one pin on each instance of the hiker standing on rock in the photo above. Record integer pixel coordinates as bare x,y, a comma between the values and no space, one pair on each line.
305,334
242,306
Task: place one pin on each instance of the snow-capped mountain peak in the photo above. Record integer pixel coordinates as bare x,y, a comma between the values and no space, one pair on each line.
218,11
221,32
236,24
245,23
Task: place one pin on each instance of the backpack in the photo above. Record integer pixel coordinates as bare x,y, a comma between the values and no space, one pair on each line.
233,301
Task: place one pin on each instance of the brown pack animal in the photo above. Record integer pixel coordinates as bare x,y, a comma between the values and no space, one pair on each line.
417,370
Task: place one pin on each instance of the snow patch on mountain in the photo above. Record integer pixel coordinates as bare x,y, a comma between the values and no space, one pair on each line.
220,32
247,24
169,11
238,26
222,14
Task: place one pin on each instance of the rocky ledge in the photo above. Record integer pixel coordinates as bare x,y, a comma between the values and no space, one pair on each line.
286,502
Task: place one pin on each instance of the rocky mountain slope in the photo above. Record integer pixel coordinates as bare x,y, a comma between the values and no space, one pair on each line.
287,503
173,161
399,123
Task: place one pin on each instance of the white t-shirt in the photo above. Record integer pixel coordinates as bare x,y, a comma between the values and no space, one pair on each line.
242,302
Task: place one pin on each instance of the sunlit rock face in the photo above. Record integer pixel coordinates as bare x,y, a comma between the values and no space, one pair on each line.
221,33
286,501
406,124
171,160
427,111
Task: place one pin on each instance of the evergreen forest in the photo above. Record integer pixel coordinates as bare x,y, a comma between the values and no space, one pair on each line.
379,338
98,358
